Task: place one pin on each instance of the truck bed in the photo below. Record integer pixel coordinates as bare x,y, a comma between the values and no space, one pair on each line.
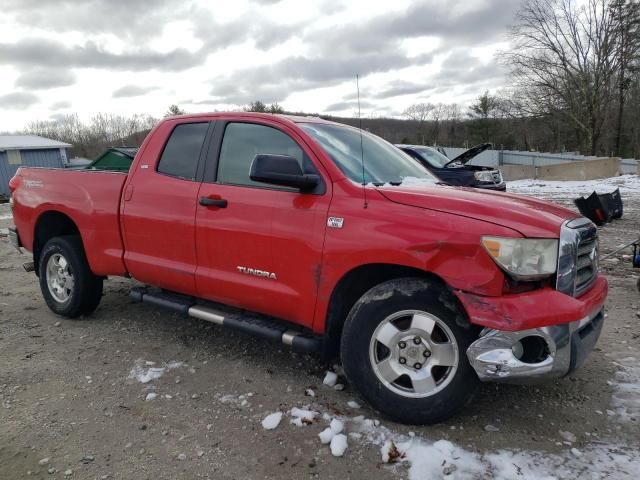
90,198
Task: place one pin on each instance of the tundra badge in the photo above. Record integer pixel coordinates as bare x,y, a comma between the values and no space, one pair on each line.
335,222
256,272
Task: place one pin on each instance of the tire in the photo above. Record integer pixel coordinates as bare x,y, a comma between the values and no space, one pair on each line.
433,377
66,281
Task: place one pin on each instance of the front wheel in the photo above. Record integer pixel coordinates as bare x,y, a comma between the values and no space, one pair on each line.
66,281
404,349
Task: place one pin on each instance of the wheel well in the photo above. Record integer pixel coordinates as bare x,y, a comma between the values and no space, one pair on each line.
355,284
50,224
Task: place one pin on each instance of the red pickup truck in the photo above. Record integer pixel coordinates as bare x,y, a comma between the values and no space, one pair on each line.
328,239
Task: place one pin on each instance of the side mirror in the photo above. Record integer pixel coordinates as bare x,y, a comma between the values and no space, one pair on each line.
283,170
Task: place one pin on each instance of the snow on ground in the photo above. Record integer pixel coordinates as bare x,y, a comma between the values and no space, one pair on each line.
272,421
427,459
6,217
628,184
443,458
145,375
438,459
626,398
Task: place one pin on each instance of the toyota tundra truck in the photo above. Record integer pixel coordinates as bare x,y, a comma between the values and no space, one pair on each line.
331,240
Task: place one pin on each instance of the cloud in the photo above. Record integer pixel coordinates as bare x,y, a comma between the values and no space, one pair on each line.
348,105
460,68
135,19
61,105
18,100
41,52
454,22
400,87
42,79
132,91
275,82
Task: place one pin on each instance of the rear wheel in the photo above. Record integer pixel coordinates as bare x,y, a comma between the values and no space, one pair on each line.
404,348
66,281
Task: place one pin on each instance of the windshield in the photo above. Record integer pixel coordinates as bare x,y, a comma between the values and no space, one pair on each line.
383,162
432,156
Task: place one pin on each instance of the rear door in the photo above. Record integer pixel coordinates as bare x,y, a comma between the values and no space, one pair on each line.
260,246
159,206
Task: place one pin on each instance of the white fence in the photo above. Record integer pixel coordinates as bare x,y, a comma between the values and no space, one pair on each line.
494,158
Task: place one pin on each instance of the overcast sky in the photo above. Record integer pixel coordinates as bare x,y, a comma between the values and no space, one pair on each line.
140,56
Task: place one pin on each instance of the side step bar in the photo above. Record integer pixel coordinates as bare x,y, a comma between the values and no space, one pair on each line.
253,325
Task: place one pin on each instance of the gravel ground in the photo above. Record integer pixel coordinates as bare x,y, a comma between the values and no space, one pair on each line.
71,409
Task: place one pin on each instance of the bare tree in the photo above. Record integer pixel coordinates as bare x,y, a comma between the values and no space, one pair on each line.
419,113
563,59
626,14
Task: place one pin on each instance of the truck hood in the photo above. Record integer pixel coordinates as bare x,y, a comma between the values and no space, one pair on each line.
529,216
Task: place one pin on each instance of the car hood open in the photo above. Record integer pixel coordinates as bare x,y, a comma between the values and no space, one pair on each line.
465,157
529,216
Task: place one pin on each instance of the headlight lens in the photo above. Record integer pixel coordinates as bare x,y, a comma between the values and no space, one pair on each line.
524,258
484,176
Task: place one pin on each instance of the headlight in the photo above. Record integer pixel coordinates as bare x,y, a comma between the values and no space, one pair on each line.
484,176
524,258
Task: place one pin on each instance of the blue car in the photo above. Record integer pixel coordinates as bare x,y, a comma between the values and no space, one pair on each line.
457,172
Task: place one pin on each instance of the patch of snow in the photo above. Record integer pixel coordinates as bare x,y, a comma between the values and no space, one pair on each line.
150,396
326,436
272,420
336,426
568,436
145,375
302,417
573,189
626,397
330,379
6,217
338,445
353,404
309,392
442,458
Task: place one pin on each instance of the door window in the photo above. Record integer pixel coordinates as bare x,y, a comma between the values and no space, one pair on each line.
243,141
182,151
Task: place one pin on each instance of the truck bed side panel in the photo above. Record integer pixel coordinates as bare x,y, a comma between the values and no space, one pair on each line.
90,198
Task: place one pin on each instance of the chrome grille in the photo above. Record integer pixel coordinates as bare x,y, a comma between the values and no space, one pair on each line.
577,257
587,260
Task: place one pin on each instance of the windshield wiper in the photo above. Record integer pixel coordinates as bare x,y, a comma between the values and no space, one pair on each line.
395,184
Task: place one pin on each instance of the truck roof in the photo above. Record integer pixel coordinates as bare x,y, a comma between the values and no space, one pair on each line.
291,118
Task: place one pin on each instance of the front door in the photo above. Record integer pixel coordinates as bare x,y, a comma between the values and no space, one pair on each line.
259,246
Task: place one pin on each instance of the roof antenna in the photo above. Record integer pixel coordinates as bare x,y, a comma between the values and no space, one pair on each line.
364,182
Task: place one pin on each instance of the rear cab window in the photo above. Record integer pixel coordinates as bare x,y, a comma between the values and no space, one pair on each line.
182,151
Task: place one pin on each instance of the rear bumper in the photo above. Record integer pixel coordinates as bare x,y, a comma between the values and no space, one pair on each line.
540,334
14,238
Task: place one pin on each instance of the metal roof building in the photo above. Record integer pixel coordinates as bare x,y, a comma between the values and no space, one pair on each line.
28,151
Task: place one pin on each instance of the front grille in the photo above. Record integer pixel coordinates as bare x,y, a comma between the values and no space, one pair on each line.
587,260
577,257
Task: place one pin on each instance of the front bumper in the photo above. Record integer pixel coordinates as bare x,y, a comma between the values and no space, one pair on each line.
558,331
560,349
500,187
